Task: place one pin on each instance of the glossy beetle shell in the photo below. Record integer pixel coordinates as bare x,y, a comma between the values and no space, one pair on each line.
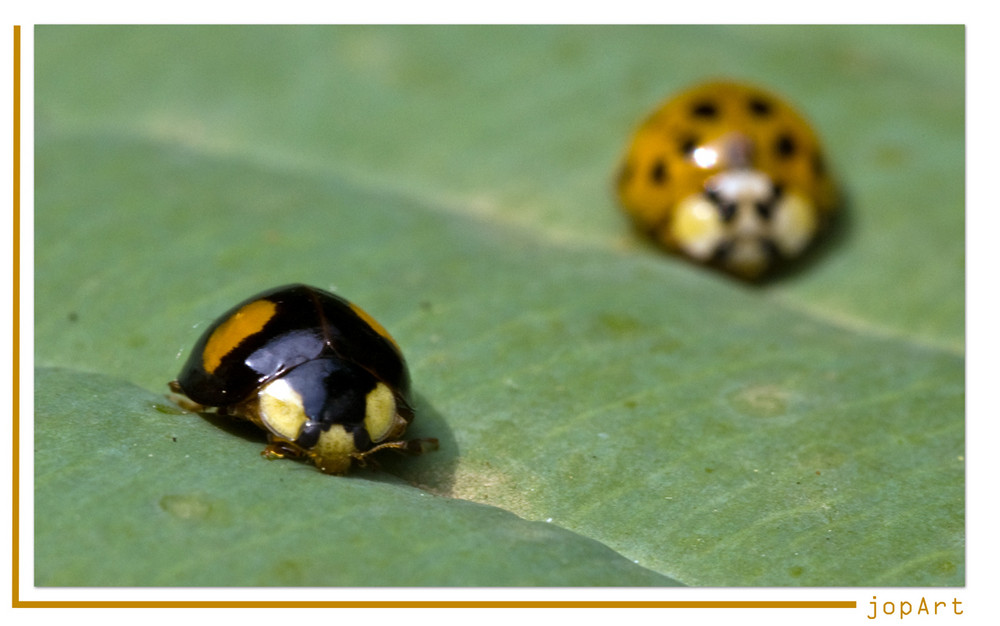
320,375
729,175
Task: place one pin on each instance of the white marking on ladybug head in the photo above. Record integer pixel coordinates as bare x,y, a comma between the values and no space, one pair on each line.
743,219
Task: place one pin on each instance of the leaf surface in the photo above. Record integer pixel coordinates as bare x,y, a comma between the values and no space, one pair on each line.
608,415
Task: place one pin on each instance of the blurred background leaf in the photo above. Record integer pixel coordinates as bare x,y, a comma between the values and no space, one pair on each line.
587,389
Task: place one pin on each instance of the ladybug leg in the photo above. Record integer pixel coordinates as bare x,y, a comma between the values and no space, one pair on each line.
412,447
420,446
177,397
279,449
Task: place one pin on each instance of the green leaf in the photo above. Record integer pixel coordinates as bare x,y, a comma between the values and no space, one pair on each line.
586,388
141,494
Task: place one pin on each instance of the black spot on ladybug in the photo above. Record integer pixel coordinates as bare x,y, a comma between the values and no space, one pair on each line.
785,146
760,107
765,209
727,210
705,109
688,144
658,173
